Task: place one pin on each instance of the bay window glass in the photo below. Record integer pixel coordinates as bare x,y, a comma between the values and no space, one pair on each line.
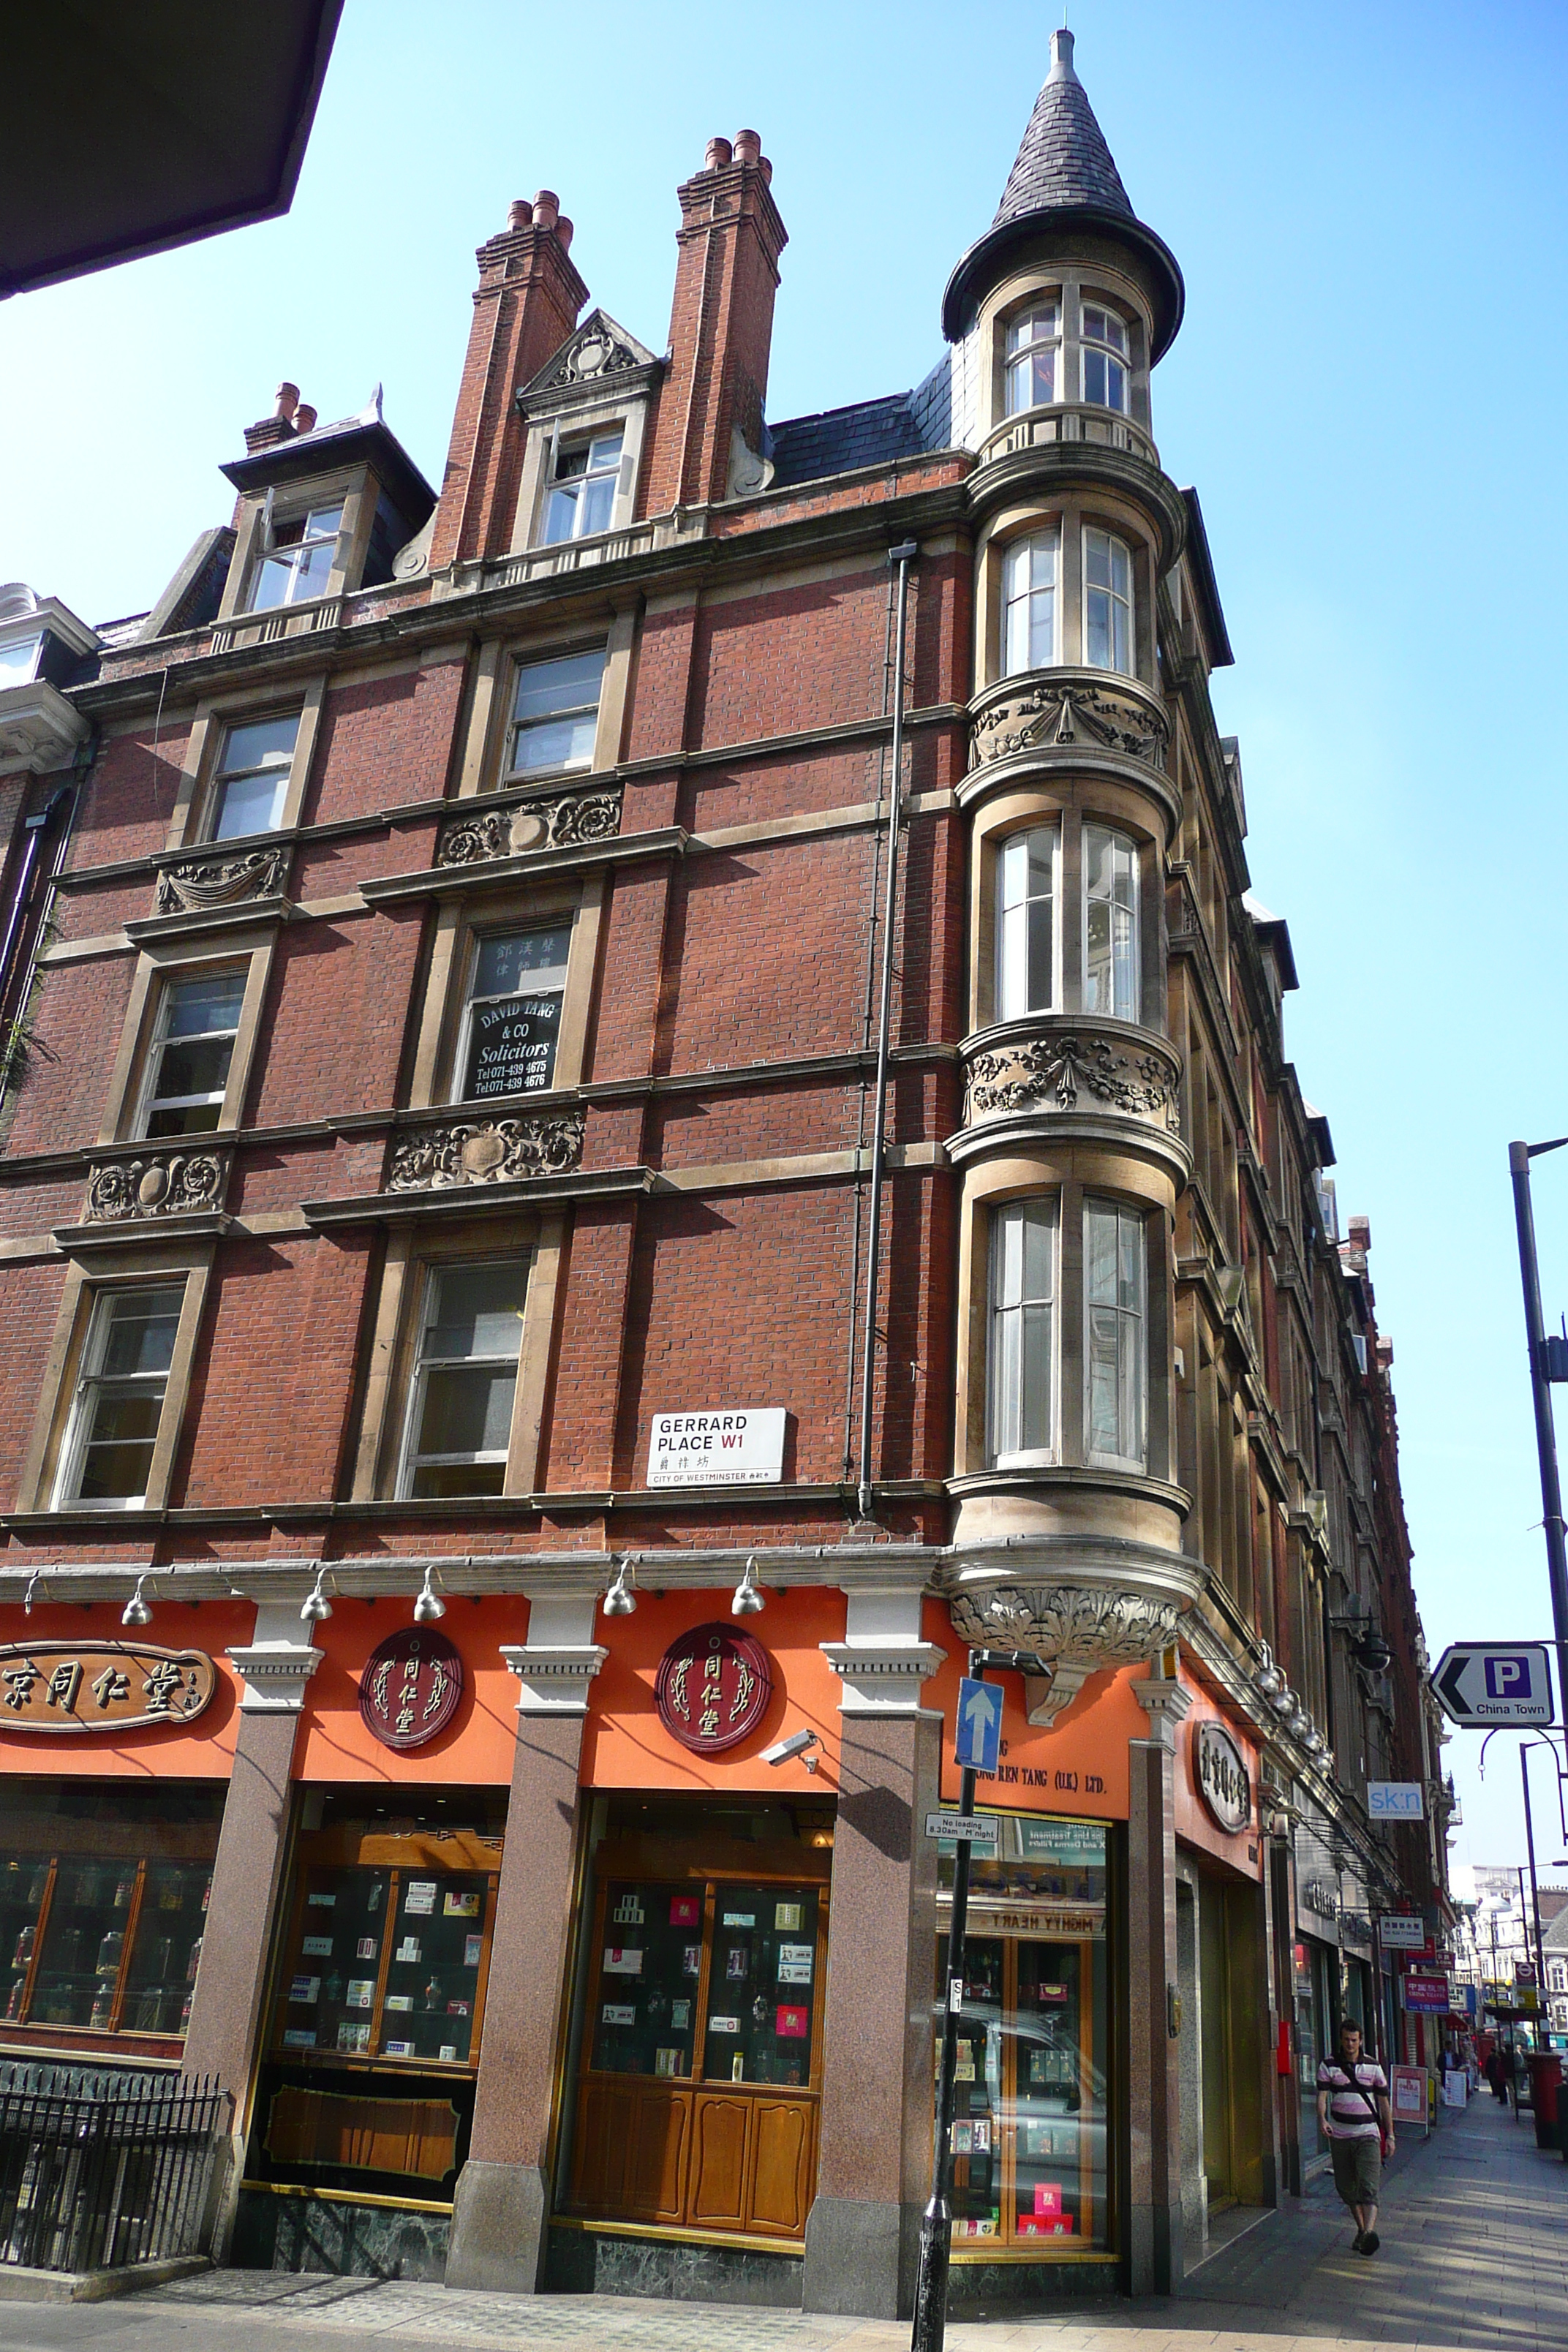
582,493
512,1017
1107,603
1029,602
119,1402
1021,1387
1033,340
1104,359
295,563
193,1045
556,713
1115,1289
1025,903
1111,976
252,778
465,1377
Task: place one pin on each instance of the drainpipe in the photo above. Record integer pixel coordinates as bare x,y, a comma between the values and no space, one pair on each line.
903,556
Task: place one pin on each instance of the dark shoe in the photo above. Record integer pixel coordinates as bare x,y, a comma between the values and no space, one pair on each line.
1358,2244
1370,2241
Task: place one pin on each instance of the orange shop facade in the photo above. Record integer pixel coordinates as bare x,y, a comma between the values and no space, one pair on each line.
547,1943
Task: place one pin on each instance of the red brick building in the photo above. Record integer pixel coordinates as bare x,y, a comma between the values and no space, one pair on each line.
471,1135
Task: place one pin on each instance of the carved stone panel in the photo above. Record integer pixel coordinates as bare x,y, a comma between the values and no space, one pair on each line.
164,1184
1054,1071
1069,714
486,1152
198,883
1091,1626
563,822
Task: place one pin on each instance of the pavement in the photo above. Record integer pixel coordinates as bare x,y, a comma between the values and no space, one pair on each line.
1474,2254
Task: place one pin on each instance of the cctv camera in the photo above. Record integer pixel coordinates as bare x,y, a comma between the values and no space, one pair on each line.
796,1745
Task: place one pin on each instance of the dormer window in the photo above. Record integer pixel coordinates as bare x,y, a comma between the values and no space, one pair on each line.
1034,338
19,660
583,487
1104,359
1029,601
295,563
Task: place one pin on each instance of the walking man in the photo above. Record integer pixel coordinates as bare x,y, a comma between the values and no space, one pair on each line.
1354,2114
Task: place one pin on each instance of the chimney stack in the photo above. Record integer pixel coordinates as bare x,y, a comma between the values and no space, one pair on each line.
280,424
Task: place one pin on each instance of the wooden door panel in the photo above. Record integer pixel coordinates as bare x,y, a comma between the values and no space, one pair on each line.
717,2199
655,2158
603,2120
782,2166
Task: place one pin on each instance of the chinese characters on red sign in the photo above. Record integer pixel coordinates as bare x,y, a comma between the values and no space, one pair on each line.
713,1688
410,1687
101,1685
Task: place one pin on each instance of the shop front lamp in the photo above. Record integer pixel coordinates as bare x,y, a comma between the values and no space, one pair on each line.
1269,1678
621,1601
137,1611
316,1606
748,1601
1283,1701
429,1605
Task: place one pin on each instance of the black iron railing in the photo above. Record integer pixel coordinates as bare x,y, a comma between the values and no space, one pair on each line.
97,2179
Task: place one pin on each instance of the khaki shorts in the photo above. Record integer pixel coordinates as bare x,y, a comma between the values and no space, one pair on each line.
1358,2168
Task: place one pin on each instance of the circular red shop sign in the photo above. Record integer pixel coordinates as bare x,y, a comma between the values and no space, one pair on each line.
411,1685
713,1688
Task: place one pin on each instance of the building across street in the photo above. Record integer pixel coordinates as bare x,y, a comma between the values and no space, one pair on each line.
646,1099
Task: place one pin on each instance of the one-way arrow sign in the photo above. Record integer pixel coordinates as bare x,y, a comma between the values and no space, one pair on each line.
1495,1681
978,1729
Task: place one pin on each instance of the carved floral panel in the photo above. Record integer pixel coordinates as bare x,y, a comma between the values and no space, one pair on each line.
1095,1625
197,883
164,1184
486,1152
1063,714
562,823
1054,1072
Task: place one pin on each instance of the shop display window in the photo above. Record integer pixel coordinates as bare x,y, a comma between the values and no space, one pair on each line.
1030,2169
103,1901
729,1968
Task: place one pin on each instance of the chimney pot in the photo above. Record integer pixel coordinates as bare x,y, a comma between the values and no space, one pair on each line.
304,417
546,208
748,147
719,153
563,233
518,213
286,401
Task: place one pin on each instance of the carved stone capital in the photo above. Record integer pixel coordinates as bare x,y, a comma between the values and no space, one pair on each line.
1075,713
275,1674
483,835
197,883
882,1677
1166,1705
1067,1625
555,1676
486,1152
1069,1068
163,1184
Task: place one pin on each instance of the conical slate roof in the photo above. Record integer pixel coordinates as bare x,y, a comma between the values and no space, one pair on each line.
1064,177
1064,158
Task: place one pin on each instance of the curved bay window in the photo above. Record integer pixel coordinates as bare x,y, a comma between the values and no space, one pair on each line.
1029,601
1112,977
1115,1293
1030,2168
1104,358
1022,1388
1107,603
1034,341
1025,924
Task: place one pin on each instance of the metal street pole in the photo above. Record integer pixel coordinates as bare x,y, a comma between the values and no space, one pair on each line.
1524,1748
936,2222
1518,1158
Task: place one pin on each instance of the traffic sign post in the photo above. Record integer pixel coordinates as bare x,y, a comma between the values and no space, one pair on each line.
1495,1683
1519,1155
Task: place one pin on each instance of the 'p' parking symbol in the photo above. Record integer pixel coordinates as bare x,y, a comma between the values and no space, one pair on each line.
1508,1677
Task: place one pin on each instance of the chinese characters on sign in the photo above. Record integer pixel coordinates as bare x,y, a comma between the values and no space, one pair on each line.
101,1685
723,1447
1220,1771
713,1688
411,1685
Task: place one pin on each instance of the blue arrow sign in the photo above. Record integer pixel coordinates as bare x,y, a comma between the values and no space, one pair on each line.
979,1740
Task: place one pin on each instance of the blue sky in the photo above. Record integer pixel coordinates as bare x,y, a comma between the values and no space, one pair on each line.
1368,208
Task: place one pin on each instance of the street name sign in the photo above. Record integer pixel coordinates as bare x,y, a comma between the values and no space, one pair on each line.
1394,1800
980,1829
978,1744
1495,1681
1401,1931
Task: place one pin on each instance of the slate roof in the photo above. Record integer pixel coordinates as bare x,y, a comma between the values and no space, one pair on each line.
868,433
1064,158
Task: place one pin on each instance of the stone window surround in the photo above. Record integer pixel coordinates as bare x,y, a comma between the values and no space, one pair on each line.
158,960
412,1252
482,756
190,824
1069,287
121,1269
460,921
1071,1170
578,420
359,491
1069,804
1070,512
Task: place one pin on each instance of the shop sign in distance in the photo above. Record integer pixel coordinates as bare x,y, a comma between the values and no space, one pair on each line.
74,1687
1401,1931
1220,1771
1396,1800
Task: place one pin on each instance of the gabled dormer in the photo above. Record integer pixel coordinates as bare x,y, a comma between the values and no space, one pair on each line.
586,415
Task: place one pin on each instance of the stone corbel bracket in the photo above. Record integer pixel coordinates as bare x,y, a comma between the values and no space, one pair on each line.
1073,1630
884,1657
556,1665
155,1187
563,822
277,1665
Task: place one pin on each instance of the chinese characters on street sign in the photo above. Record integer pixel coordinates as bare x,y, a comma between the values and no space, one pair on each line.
74,1687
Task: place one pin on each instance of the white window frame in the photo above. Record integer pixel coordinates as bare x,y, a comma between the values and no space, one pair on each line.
1127,1324
1014,861
1020,350
552,986
1126,990
1113,356
1031,607
572,490
411,1462
1015,1430
278,764
519,727
151,1101
1115,595
289,556
92,1384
